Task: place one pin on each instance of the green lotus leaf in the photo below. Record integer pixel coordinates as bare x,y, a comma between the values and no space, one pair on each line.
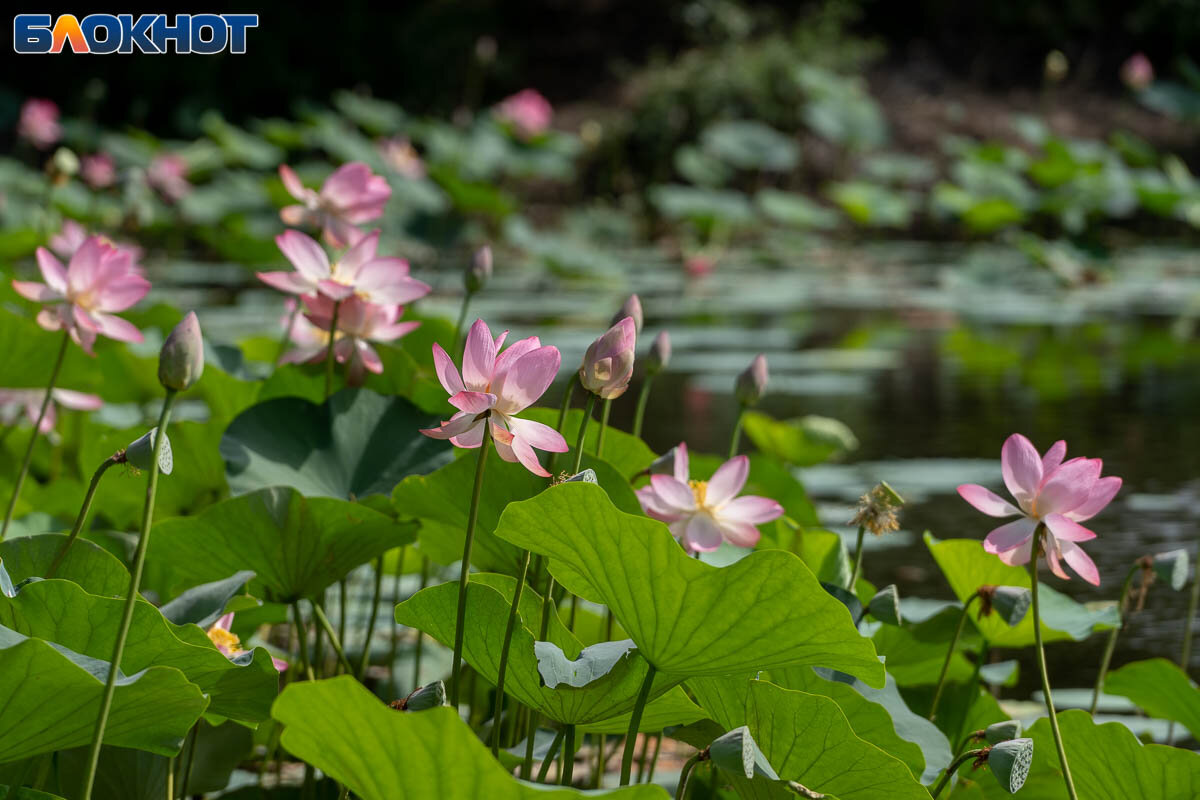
915,652
50,696
1161,689
355,444
297,546
61,612
204,604
345,731
688,618
628,454
24,793
87,564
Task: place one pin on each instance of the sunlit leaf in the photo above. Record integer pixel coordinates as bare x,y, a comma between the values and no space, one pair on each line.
1160,688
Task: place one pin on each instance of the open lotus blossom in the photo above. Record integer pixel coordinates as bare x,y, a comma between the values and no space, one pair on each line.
98,282
99,170
358,273
14,401
358,324
350,196
497,386
72,235
230,645
38,123
528,111
702,513
1059,494
167,174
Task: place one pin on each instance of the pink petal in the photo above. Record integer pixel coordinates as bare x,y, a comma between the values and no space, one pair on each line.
291,182
727,481
499,344
37,292
121,293
988,502
80,401
528,457
1010,536
508,357
338,232
1052,553
539,435
471,438
400,291
224,623
473,402
681,462
360,253
334,290
368,357
279,664
654,507
294,215
702,534
346,184
49,419
51,318
1101,495
741,534
1080,562
673,493
84,267
390,333
1053,457
750,509
1067,529
479,358
52,271
446,371
1018,555
527,379
116,328
1068,487
1021,467
290,282
305,254
455,426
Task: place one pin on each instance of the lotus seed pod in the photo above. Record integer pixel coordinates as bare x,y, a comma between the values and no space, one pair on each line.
633,309
1172,567
752,382
427,697
181,361
141,453
660,354
738,753
480,271
1011,603
586,476
885,605
1010,762
1003,731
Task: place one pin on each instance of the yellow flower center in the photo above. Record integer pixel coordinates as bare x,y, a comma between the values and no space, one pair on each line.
699,491
225,640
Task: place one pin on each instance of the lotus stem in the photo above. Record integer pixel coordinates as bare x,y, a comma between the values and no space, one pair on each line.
425,564
33,436
394,639
598,764
287,332
639,413
191,760
115,458
329,354
858,559
635,721
550,754
334,640
171,778
568,393
941,684
464,571
658,737
686,773
604,412
508,634
1111,644
735,440
302,636
1185,656
135,582
568,756
365,661
462,319
954,765
1041,662
343,609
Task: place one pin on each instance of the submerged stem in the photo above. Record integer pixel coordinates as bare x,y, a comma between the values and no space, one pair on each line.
83,512
941,684
464,571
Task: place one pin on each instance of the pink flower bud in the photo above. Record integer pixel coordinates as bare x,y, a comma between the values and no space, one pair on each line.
181,361
1137,72
660,354
608,364
480,271
752,383
631,308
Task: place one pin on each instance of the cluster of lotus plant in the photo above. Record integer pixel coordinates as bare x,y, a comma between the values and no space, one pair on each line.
610,618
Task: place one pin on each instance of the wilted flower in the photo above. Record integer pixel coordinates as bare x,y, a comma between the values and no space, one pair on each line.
181,360
528,112
752,382
167,173
480,271
1137,72
99,281
631,308
99,171
494,387
660,354
72,235
14,401
877,510
350,196
38,123
359,323
229,644
608,363
701,513
401,157
1050,492
358,273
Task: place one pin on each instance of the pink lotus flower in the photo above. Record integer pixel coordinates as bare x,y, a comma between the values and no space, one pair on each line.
358,324
38,123
528,112
167,173
1137,72
13,401
98,282
358,273
399,154
699,265
99,171
230,645
497,386
1049,491
72,235
608,363
701,513
350,196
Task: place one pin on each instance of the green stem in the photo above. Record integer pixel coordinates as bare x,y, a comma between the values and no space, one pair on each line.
583,426
462,320
464,571
635,720
568,393
33,436
394,639
83,512
343,610
530,735
686,773
302,636
344,794
329,356
334,639
950,770
639,413
425,565
170,778
598,762
858,557
508,634
658,737
366,653
191,759
1041,662
736,439
568,756
287,332
135,582
941,684
1185,656
603,427
550,754
1111,644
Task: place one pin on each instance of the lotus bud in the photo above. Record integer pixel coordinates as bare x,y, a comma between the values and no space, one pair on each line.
1172,567
660,354
885,605
1056,66
141,453
737,752
424,698
1003,731
181,361
1010,602
608,364
632,308
752,383
1137,72
1010,762
480,271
